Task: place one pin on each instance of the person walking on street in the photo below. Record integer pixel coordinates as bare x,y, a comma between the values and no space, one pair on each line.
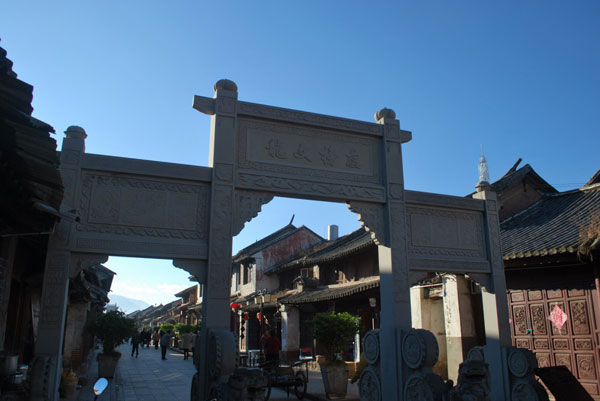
194,336
156,338
165,339
135,344
186,344
272,347
148,338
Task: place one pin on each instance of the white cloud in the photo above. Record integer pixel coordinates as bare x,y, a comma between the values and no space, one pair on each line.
152,294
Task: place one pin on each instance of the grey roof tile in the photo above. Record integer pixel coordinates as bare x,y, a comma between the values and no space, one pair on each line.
555,224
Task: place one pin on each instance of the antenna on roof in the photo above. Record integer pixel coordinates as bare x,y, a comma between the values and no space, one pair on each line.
292,219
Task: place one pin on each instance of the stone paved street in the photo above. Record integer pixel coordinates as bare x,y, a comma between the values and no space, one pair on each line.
148,378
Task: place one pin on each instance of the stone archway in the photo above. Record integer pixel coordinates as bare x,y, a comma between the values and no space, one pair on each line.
141,208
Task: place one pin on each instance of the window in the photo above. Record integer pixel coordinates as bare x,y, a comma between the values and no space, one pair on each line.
247,269
306,272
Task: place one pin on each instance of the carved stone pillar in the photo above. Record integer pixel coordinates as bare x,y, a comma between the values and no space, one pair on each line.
393,262
458,319
215,308
495,305
58,265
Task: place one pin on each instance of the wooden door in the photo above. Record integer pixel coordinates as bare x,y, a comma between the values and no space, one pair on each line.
574,345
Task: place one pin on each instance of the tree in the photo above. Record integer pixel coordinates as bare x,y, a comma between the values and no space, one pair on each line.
112,328
333,331
166,327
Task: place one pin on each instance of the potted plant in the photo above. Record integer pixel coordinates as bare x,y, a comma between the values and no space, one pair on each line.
333,331
112,328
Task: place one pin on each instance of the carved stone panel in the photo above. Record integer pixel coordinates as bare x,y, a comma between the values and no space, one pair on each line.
317,190
275,155
247,206
434,232
219,273
142,215
55,279
371,216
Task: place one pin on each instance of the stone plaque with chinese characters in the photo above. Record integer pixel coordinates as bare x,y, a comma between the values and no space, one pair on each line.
309,155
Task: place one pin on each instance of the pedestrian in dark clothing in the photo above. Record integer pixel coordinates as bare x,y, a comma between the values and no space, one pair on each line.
194,336
165,339
135,344
272,347
156,338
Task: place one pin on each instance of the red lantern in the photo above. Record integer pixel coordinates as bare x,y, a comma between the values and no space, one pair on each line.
246,317
234,306
258,316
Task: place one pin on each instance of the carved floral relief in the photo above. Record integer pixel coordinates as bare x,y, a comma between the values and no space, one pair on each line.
124,205
579,317
310,188
434,231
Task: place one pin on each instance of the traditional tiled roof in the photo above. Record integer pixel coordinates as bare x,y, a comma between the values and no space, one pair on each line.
331,292
32,189
514,176
556,224
189,289
264,243
343,246
594,180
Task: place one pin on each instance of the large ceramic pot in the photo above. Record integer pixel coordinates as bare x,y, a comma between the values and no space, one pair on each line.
107,365
68,384
335,379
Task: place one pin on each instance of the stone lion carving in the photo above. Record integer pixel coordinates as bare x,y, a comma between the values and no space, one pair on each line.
473,382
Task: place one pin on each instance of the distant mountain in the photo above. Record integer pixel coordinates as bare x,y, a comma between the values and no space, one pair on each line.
125,304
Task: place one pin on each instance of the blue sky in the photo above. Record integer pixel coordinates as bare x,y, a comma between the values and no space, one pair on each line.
521,78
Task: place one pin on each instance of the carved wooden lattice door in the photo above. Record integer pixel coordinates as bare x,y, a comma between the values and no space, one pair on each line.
574,345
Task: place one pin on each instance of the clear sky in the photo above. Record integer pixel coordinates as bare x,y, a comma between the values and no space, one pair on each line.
521,78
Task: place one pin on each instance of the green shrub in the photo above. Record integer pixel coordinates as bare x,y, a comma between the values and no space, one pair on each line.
112,328
184,328
333,331
166,327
